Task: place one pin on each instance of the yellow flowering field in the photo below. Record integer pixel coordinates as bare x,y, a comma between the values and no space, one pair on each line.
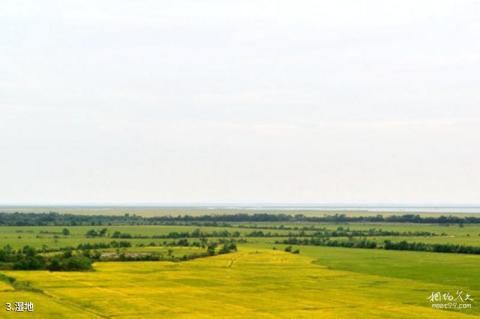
248,284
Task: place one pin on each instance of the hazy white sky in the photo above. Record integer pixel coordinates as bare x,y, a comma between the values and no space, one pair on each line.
239,101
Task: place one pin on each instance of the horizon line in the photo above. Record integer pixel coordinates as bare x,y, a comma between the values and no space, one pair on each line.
240,205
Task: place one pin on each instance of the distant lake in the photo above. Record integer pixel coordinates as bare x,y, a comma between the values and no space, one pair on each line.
308,209
406,209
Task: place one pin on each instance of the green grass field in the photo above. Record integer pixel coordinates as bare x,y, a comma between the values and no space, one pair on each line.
254,282
37,236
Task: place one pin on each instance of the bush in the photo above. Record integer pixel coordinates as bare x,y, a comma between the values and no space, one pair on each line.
227,248
30,263
74,263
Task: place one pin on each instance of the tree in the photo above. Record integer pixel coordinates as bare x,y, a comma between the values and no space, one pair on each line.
74,263
228,247
65,232
103,232
91,233
211,249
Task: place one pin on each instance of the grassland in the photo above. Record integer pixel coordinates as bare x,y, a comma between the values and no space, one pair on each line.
37,236
257,281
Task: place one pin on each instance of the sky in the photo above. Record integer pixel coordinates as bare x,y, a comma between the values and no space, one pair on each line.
239,102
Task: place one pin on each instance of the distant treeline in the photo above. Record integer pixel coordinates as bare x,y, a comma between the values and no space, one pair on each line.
340,232
52,219
387,245
346,232
352,243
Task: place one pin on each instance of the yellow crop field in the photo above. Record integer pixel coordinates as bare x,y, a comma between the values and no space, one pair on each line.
248,284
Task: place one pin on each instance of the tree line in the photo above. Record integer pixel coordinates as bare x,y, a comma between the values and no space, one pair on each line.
387,245
351,243
321,232
28,258
438,248
57,219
